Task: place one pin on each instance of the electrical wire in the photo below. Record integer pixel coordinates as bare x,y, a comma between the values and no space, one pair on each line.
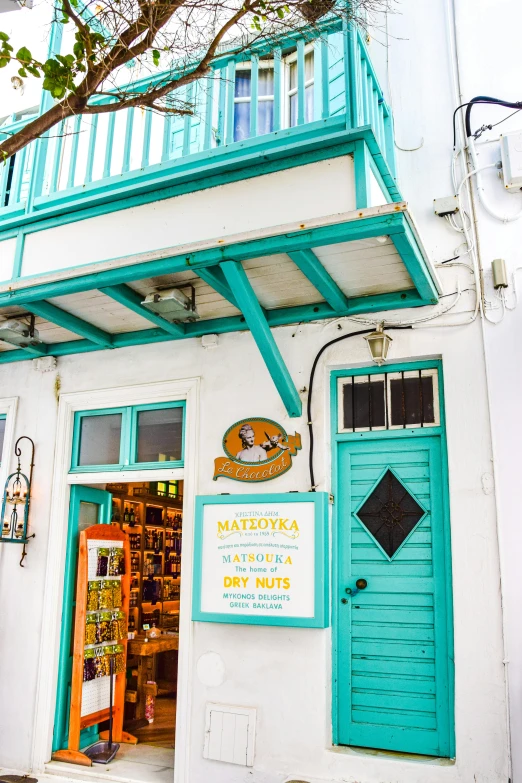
313,485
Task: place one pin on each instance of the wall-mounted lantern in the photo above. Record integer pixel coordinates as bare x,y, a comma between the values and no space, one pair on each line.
15,503
379,344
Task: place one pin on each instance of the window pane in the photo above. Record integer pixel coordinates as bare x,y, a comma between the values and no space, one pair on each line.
265,117
100,440
241,121
159,435
293,75
2,435
293,110
88,515
266,81
242,89
412,401
363,405
309,66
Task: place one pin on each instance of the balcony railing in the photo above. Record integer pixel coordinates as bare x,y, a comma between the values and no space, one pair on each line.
305,90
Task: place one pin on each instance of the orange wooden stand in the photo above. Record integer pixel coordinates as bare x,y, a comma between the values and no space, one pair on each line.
72,753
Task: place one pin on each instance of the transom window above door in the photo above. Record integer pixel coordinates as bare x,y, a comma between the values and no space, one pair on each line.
134,437
389,401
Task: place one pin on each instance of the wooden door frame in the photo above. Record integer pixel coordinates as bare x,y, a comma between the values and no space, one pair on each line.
338,439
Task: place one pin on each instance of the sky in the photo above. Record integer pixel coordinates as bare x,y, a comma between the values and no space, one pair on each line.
30,28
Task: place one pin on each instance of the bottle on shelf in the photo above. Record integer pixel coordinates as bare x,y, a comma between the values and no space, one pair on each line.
132,518
126,515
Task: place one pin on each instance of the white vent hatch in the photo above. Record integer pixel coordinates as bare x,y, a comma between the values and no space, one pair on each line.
230,734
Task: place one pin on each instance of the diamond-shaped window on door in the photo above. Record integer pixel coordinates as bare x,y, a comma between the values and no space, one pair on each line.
390,513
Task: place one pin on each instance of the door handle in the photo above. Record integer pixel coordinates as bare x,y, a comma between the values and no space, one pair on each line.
361,584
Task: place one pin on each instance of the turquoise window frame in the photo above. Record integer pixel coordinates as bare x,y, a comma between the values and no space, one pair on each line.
135,410
391,434
3,417
321,617
128,439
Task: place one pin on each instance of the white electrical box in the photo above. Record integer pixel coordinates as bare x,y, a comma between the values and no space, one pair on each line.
511,148
230,734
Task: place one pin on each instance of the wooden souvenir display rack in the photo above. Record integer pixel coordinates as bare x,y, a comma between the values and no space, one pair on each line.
102,535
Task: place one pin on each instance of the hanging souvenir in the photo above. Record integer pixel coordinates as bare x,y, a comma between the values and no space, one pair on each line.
92,596
105,595
102,563
116,562
90,629
89,668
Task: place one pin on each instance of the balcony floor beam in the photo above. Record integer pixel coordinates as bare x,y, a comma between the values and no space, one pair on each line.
71,322
312,268
133,301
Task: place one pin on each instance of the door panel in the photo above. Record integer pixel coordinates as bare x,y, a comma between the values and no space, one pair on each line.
87,507
393,657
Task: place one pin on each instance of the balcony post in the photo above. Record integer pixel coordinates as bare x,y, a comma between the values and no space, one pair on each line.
41,144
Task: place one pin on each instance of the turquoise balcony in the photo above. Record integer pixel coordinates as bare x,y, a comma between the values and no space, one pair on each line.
305,97
274,203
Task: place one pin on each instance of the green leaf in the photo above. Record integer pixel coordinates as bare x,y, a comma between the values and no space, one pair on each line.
3,62
4,36
155,57
24,54
22,72
280,13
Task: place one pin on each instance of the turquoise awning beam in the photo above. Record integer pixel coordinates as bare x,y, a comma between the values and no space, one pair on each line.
283,316
213,276
255,319
133,301
312,268
71,322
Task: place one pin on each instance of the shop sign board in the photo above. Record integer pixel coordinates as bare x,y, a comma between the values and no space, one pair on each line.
262,559
257,450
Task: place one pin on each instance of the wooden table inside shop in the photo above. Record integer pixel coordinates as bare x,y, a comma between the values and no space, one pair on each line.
146,652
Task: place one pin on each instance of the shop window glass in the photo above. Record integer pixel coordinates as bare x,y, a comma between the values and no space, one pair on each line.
160,434
412,401
2,436
363,405
100,438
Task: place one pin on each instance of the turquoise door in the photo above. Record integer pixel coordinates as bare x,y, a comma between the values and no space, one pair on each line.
87,507
394,636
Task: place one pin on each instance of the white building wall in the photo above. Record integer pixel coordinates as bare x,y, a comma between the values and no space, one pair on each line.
286,673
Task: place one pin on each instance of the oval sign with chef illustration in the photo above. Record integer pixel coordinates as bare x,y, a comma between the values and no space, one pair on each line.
257,450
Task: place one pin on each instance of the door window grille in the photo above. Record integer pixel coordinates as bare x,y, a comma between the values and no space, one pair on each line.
389,401
390,513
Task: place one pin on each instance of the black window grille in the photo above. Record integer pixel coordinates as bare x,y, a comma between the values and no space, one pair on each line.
389,401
